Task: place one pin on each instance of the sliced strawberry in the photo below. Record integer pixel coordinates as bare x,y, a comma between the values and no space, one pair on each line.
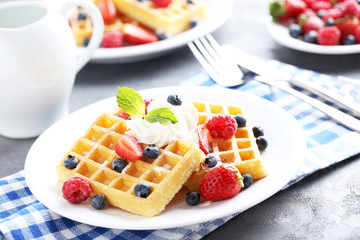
147,102
203,135
107,9
128,148
122,114
137,35
162,3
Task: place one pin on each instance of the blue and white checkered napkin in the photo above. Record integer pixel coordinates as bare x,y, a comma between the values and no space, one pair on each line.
24,217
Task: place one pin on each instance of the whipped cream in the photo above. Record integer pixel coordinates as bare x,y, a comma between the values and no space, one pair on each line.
161,134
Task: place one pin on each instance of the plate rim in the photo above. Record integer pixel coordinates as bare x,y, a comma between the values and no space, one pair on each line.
207,25
229,212
278,32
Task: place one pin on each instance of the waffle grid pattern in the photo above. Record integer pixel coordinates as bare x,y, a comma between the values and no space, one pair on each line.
166,174
173,19
240,150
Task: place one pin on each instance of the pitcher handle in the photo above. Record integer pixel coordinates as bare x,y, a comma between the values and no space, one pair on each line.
98,29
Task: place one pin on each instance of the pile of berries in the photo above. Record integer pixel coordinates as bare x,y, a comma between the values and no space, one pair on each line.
324,22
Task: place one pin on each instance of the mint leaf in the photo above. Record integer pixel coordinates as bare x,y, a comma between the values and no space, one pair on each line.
161,115
130,101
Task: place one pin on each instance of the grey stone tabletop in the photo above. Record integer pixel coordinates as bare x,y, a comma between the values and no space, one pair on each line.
324,205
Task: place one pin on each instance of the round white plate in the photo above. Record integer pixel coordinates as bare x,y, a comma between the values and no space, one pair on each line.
218,13
286,150
281,35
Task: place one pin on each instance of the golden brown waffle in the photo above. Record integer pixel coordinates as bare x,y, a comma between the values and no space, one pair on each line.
172,19
166,174
240,150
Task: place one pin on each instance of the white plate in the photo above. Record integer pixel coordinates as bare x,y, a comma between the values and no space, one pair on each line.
285,153
218,13
281,35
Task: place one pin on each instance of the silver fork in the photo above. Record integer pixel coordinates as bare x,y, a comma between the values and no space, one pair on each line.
226,72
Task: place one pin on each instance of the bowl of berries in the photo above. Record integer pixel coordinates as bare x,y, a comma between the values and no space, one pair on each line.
316,26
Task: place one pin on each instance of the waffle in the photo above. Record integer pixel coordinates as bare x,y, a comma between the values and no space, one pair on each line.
240,150
166,174
172,20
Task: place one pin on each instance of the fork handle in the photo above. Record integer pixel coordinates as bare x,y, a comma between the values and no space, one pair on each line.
337,115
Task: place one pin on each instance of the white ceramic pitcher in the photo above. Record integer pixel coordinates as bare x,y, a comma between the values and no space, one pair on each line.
38,63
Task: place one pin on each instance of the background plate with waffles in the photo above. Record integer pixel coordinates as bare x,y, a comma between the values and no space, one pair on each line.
217,14
283,157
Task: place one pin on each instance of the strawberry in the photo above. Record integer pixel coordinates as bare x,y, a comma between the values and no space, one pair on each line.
351,8
128,148
347,25
319,5
122,114
162,3
285,9
137,35
357,34
107,9
112,39
334,13
312,23
329,36
221,182
203,135
147,102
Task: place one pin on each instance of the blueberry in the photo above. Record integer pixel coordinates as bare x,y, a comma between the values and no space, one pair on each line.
311,37
142,190
210,150
258,131
262,143
174,100
247,180
99,201
349,40
192,1
82,16
295,30
211,161
86,42
192,198
240,120
71,162
161,35
119,164
193,23
329,22
151,151
321,13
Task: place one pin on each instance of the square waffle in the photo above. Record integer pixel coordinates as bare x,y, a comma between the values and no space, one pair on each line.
172,19
166,174
240,150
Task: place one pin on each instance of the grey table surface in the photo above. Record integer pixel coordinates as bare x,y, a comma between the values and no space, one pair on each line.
325,205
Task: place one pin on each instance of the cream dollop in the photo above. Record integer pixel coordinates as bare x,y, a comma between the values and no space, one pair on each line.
163,134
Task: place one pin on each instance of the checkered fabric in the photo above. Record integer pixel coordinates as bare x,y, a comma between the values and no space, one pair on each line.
22,216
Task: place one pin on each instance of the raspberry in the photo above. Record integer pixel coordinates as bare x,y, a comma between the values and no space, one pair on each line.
329,36
221,126
76,189
319,5
112,39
